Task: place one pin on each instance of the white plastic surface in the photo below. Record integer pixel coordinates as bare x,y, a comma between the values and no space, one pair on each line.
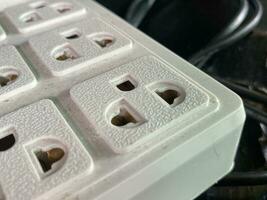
39,126
119,116
154,113
12,64
83,51
38,15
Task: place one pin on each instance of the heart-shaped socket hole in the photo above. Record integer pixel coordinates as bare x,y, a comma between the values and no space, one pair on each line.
123,118
63,7
38,5
169,93
30,17
103,40
8,76
48,158
122,114
65,53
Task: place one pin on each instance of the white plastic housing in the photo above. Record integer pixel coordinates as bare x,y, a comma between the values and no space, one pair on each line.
16,71
101,111
39,127
79,42
155,114
39,15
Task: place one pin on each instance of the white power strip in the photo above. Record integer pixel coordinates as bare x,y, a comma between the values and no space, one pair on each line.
91,108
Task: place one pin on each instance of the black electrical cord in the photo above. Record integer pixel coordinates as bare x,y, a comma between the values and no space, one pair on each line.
244,179
252,111
248,25
256,114
235,23
138,10
200,58
244,92
240,26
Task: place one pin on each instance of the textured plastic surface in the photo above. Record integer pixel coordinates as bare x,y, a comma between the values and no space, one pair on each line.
12,64
146,72
39,15
79,41
39,126
91,108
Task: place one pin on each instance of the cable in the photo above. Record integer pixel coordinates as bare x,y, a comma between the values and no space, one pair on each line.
239,27
244,179
242,91
251,111
242,31
245,29
256,114
138,10
233,25
237,20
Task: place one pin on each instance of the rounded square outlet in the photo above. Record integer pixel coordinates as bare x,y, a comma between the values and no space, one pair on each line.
37,16
38,147
138,101
81,45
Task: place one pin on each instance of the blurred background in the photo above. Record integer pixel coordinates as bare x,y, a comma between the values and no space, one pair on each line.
228,40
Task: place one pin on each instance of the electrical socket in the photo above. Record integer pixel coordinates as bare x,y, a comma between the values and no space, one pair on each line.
15,75
68,49
149,119
138,101
36,16
40,151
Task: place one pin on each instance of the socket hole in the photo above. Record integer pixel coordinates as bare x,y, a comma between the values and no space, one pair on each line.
125,83
104,40
72,35
7,76
62,7
65,53
48,155
48,158
169,95
122,114
7,142
30,17
126,86
38,5
123,118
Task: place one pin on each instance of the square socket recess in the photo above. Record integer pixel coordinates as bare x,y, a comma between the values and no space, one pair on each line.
67,49
158,99
35,16
31,129
15,75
